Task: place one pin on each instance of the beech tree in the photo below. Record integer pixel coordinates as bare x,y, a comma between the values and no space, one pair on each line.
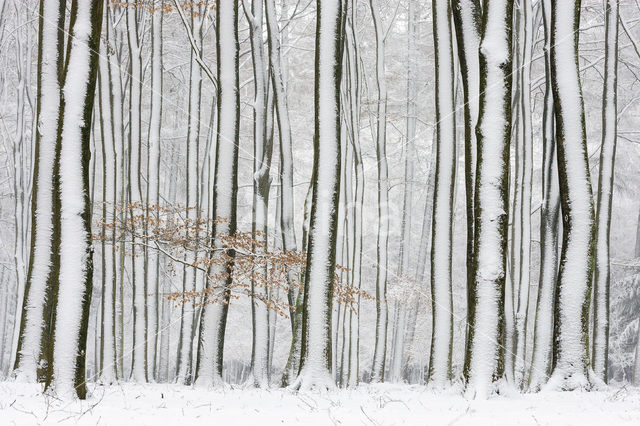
315,363
571,319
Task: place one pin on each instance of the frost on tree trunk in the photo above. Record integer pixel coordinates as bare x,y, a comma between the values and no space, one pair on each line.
602,281
467,16
486,360
380,349
50,60
549,228
315,366
74,282
573,292
214,313
442,225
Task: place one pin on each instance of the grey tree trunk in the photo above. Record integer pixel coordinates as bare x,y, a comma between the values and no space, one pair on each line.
602,280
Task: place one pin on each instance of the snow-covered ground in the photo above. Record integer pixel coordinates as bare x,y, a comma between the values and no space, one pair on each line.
134,404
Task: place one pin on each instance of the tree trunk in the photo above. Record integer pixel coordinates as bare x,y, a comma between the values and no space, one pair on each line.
441,283
493,132
50,60
549,228
214,313
602,281
379,354
315,365
573,292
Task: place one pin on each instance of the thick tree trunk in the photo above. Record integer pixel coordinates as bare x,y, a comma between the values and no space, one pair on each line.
74,283
573,292
50,60
214,313
493,133
315,365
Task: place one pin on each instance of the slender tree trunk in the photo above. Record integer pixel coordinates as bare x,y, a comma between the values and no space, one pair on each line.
261,183
441,283
467,16
380,349
549,228
522,307
107,346
602,281
139,371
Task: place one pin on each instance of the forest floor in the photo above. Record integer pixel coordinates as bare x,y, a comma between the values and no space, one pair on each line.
160,404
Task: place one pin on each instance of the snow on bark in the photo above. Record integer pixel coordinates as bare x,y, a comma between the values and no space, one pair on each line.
441,283
47,132
491,198
380,350
467,15
75,281
570,354
549,228
214,314
315,367
602,281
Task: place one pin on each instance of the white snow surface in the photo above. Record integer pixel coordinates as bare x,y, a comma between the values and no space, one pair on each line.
383,404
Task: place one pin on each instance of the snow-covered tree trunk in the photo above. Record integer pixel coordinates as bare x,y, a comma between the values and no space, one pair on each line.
467,15
549,228
262,151
315,365
134,189
493,133
214,313
49,84
441,246
379,354
74,283
602,281
571,327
